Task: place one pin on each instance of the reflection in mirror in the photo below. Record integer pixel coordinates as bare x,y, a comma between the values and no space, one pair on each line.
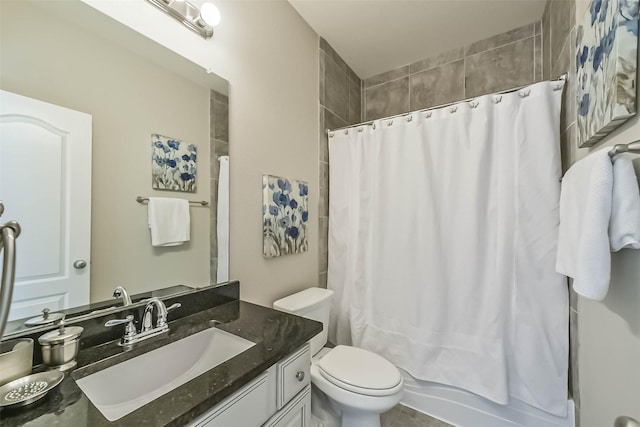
81,97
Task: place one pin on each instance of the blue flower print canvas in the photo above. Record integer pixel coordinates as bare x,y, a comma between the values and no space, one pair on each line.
285,212
606,65
173,164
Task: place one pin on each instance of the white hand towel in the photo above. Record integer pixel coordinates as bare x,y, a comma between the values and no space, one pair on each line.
169,221
624,228
599,212
585,212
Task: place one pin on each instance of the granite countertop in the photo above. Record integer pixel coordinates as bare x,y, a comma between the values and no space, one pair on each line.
276,335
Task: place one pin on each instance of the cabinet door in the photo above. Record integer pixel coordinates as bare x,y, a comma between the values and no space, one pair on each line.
248,407
297,413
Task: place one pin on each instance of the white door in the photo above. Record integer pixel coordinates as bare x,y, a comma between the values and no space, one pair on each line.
45,185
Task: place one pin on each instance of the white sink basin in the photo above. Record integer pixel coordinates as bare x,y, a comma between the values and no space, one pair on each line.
121,389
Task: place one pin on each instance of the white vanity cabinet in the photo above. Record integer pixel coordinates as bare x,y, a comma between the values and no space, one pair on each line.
279,397
296,414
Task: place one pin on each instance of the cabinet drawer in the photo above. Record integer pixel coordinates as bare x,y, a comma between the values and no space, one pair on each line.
247,407
293,375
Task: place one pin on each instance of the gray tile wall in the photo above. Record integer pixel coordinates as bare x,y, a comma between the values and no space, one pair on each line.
506,60
219,146
559,53
340,105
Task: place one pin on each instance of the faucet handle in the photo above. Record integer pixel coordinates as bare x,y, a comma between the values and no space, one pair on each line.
162,316
129,331
114,322
173,307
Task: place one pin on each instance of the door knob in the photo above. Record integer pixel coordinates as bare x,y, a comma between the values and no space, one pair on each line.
79,264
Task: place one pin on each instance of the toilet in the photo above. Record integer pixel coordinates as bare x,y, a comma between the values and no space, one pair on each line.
351,386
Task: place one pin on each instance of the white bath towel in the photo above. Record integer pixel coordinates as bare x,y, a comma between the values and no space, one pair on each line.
624,228
169,221
597,205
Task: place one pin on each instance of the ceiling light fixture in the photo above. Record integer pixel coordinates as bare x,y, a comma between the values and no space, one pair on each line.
200,20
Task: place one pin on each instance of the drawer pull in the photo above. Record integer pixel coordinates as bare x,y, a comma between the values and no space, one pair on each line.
300,375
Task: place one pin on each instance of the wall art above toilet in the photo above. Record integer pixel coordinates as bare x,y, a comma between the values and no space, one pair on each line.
173,164
606,65
285,213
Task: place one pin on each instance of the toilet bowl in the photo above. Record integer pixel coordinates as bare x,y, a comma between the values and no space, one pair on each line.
351,386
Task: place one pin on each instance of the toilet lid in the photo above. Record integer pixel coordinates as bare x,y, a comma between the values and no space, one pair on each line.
359,370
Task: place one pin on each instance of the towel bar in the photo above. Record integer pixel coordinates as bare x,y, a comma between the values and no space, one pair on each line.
141,199
632,147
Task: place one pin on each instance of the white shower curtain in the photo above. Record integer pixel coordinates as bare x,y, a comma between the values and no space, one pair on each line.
442,240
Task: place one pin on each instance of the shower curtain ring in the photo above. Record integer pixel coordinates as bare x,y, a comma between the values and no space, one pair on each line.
390,122
497,99
524,93
428,114
453,110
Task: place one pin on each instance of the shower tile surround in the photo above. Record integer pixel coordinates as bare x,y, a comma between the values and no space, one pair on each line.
506,60
539,51
219,146
340,101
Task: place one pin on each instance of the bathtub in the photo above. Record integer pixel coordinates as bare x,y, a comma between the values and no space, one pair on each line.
464,409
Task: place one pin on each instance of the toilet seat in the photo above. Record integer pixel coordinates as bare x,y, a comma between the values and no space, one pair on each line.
360,371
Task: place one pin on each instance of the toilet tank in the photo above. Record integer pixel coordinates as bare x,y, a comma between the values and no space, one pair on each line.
314,304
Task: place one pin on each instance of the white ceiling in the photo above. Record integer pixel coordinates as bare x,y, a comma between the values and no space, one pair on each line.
374,36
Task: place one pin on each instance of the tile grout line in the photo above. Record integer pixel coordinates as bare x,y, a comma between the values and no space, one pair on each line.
464,57
332,112
340,68
435,66
502,45
388,81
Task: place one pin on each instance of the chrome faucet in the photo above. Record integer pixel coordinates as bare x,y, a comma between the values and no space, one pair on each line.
121,292
132,336
161,317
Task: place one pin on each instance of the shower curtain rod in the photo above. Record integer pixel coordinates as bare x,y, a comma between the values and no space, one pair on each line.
562,78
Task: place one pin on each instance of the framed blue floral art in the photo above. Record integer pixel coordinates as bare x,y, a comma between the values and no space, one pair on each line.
606,65
285,212
173,164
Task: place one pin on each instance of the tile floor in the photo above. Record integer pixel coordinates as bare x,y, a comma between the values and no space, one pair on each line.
402,416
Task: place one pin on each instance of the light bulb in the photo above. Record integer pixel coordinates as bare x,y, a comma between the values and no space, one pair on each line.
210,14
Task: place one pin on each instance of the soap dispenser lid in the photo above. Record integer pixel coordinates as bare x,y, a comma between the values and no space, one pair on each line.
61,335
45,319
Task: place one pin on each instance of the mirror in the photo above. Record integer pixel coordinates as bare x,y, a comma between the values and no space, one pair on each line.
83,232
